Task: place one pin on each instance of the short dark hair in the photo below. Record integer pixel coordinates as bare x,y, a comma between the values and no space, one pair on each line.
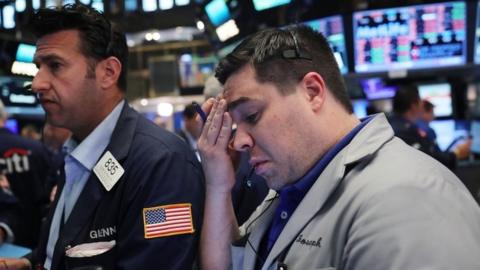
99,38
404,98
189,112
427,105
283,57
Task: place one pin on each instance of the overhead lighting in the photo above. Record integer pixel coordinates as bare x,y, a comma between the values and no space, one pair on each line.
98,5
149,5
182,2
165,4
130,43
165,109
9,17
20,5
149,36
156,36
144,102
200,25
36,4
28,69
227,30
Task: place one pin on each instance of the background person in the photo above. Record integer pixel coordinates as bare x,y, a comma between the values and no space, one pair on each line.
349,194
190,131
26,164
407,109
8,210
126,179
423,122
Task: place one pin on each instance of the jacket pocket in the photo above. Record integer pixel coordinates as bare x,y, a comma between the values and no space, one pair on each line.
105,261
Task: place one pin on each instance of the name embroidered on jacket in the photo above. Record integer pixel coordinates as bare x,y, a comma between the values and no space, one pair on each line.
103,232
307,242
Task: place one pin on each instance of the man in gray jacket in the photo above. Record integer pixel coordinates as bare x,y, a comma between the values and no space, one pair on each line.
346,193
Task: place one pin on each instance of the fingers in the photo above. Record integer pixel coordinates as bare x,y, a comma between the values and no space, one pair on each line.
225,131
206,107
217,128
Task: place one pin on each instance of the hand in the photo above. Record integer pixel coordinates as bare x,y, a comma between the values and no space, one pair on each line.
462,151
212,145
14,264
4,182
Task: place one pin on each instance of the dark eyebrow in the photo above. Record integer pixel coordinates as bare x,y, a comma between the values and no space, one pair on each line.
232,105
46,58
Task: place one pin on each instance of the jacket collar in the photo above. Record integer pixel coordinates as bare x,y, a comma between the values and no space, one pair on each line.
368,141
93,191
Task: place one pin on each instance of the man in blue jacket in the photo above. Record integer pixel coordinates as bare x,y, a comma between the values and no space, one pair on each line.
26,164
133,192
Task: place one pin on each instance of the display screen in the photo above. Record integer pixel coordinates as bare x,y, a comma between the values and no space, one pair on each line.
448,132
360,107
194,70
477,36
475,132
440,95
25,53
332,29
375,88
266,4
217,12
413,37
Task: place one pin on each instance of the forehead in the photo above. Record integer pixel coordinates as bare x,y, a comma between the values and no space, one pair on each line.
242,83
242,87
65,41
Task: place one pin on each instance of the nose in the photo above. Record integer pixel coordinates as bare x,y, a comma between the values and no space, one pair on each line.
242,141
40,82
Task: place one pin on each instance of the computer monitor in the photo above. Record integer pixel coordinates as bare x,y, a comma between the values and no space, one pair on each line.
217,12
194,69
475,132
376,88
440,95
448,132
25,53
476,57
360,107
260,5
411,37
332,28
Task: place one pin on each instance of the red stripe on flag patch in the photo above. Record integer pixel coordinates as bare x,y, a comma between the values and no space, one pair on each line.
167,220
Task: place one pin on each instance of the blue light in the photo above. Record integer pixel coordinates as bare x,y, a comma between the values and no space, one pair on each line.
266,4
131,5
217,11
98,5
25,53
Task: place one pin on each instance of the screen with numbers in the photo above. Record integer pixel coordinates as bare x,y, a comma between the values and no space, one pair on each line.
332,29
411,37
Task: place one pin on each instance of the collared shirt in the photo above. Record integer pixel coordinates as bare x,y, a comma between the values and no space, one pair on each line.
79,162
291,195
193,143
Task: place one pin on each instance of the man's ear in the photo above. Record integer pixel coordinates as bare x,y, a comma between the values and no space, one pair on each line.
110,70
315,89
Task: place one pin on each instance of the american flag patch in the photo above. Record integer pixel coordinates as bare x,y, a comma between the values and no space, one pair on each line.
167,220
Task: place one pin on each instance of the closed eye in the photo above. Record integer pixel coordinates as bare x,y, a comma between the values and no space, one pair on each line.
54,66
252,118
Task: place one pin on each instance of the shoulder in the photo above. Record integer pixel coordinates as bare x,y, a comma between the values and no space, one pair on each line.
151,144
